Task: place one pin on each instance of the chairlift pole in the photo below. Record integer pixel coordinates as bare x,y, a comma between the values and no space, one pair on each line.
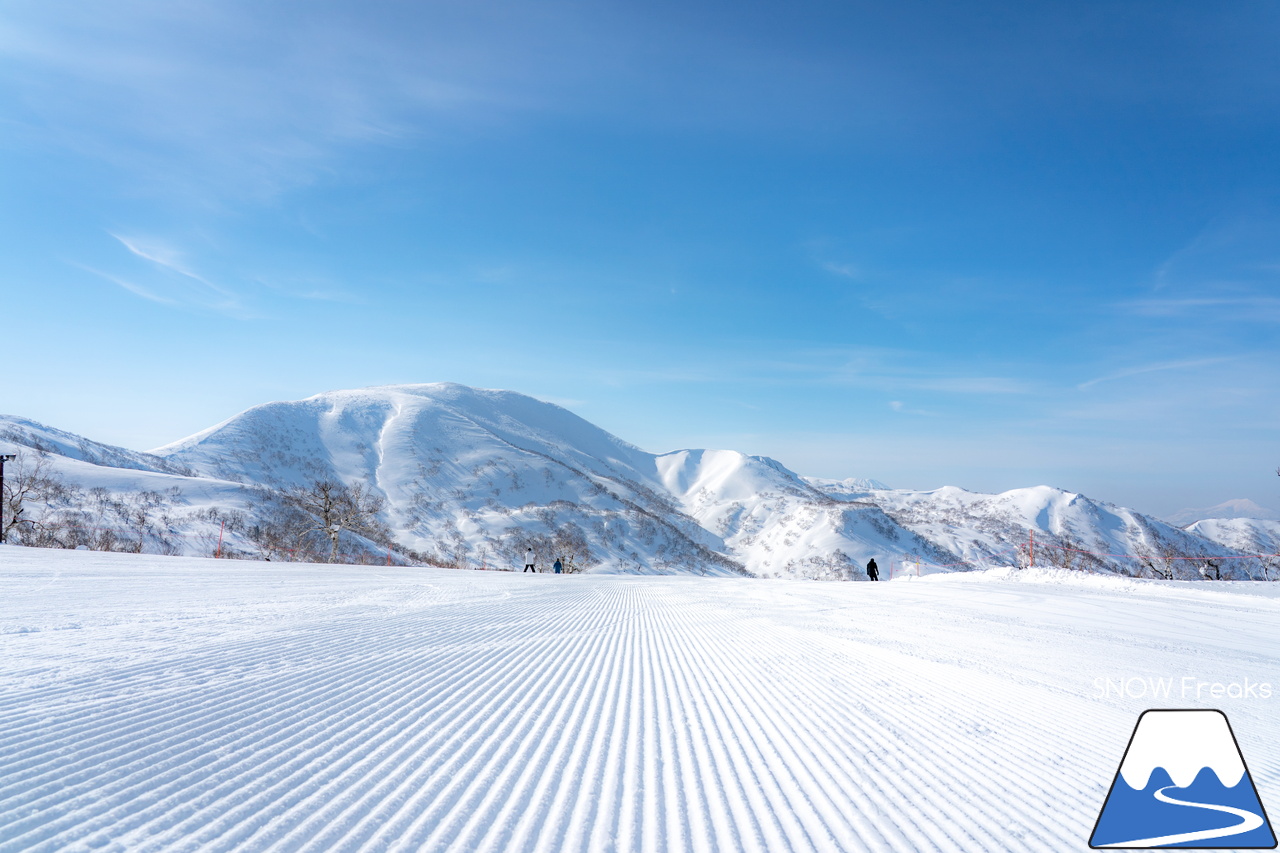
7,457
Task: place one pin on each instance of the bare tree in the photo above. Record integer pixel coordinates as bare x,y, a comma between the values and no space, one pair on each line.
1068,552
29,484
572,548
1161,561
330,508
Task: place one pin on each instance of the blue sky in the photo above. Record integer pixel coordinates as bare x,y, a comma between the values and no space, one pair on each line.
988,245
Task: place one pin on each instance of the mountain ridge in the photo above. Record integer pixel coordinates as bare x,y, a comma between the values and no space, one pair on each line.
472,475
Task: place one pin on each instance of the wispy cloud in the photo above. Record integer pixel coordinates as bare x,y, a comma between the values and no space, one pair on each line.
311,289
843,270
228,100
903,408
1255,307
971,384
896,370
1230,262
170,280
135,289
170,259
1154,368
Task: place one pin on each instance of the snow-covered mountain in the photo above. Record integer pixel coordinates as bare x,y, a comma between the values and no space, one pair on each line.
848,489
473,477
1048,526
1238,508
1249,535
469,474
776,522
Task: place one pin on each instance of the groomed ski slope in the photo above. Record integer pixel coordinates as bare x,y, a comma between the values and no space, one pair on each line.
151,703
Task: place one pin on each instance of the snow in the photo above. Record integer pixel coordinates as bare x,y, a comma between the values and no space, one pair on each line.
152,703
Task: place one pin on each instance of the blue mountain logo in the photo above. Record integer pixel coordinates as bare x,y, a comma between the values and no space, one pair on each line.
1183,784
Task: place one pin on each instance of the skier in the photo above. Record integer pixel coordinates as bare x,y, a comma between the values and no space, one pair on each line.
873,571
529,561
558,566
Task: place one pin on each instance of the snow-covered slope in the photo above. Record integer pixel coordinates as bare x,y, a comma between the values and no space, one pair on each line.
152,703
117,498
1250,535
24,432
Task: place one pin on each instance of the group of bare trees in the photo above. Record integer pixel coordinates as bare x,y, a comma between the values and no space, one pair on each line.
42,510
568,544
319,522
315,522
29,483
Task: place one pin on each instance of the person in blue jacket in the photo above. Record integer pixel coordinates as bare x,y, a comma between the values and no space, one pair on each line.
558,566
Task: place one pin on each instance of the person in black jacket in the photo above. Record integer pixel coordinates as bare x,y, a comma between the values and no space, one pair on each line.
873,571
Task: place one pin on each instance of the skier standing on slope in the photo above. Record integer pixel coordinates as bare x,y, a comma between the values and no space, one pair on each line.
558,566
529,561
873,571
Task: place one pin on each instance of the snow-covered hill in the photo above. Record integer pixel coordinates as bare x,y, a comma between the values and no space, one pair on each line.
474,477
1249,535
25,432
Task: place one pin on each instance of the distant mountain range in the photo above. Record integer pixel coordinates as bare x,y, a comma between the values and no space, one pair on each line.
1240,508
472,476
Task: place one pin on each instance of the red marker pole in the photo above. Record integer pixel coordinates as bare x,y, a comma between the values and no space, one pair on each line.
221,530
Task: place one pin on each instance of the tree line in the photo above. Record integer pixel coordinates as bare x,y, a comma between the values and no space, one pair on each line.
323,520
316,522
